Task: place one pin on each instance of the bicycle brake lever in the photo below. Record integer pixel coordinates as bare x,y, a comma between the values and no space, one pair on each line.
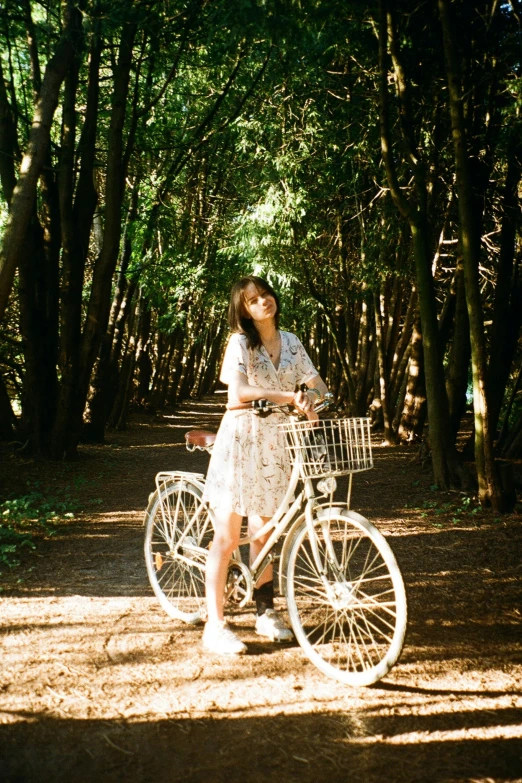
325,403
260,408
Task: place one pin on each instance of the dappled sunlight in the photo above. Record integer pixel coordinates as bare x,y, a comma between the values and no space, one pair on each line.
303,747
479,745
145,664
148,446
92,663
480,734
184,415
114,516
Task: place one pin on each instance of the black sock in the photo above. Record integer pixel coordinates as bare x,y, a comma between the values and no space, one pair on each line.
264,597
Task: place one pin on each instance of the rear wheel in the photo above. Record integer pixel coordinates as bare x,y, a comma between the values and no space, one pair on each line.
178,533
349,616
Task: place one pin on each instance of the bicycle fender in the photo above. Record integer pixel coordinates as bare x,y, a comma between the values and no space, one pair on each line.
153,496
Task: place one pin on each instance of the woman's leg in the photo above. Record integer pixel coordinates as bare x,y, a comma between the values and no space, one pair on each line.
268,622
255,523
226,539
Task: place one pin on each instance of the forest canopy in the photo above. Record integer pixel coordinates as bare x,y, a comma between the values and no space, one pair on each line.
365,157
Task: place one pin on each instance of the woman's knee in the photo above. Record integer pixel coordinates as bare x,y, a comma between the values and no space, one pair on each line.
255,523
226,536
225,543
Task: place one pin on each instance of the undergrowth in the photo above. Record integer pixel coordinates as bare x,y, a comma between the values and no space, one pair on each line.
460,511
24,518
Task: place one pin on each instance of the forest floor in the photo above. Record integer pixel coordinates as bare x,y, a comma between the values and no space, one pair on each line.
98,684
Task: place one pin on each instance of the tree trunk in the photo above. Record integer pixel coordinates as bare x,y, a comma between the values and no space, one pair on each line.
507,313
118,413
24,193
513,448
7,417
8,143
343,362
414,413
400,360
443,454
489,487
211,373
505,434
362,361
75,255
167,386
105,381
394,323
67,433
38,329
459,355
382,371
143,361
136,358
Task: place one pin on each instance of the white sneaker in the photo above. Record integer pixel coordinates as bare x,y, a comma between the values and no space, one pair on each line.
272,625
219,639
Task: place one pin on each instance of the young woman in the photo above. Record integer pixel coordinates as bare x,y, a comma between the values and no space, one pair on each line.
249,468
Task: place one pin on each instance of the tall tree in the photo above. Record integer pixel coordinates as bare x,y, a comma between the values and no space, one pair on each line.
443,454
488,481
24,193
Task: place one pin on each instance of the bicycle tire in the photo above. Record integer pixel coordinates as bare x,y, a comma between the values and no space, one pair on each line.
351,623
175,564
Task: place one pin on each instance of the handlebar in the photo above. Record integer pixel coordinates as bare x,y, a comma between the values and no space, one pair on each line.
265,407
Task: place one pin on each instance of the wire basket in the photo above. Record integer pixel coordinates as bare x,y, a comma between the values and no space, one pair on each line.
330,447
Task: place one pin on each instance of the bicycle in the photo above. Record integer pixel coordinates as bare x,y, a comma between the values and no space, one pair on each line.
344,590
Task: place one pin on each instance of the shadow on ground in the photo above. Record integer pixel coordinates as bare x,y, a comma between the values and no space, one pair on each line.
226,750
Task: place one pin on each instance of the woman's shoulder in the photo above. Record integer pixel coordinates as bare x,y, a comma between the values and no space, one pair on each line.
237,346
237,338
289,337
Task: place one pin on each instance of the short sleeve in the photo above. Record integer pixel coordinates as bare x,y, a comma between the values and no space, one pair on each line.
235,358
304,368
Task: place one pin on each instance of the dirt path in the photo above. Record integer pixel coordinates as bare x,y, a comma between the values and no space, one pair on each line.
97,684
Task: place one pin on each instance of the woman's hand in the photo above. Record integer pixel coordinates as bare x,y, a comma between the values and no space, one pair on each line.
305,405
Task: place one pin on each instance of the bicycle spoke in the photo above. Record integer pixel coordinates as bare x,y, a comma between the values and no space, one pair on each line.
345,608
179,581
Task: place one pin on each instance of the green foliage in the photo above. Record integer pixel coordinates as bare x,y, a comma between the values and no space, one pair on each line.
260,151
12,542
441,513
24,518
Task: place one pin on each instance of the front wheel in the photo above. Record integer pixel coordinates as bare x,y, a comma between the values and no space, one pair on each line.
349,615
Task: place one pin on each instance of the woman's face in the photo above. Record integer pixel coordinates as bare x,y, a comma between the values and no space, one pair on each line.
259,305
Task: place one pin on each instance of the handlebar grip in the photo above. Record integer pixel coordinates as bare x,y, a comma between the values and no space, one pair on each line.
239,406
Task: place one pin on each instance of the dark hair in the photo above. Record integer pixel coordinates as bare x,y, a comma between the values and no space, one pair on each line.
237,318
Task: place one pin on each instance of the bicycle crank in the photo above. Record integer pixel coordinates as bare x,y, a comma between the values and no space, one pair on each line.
239,587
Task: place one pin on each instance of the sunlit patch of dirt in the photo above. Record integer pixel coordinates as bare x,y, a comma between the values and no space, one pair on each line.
98,684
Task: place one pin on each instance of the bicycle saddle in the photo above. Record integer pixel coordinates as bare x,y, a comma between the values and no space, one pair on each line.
200,438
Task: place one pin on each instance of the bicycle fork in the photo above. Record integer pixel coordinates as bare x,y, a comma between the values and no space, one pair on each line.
330,559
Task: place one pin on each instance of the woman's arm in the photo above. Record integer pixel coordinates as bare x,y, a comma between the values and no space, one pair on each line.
318,383
239,390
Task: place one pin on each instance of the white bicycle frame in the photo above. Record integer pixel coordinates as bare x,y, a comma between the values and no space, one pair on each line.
281,520
332,562
285,515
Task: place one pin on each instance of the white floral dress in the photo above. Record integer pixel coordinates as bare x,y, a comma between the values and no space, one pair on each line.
249,468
